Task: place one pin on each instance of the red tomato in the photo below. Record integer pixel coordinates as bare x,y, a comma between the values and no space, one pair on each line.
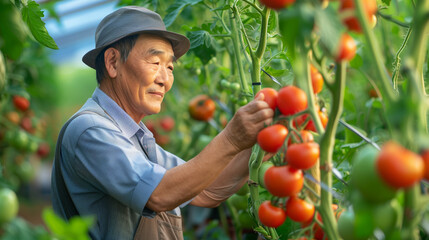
270,96
302,155
283,181
316,80
299,210
277,4
271,138
398,166
202,108
27,124
310,125
162,140
270,215
167,123
347,7
306,137
20,102
291,100
425,156
347,49
43,150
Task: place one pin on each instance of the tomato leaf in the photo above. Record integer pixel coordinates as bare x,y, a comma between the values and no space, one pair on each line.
13,32
175,9
203,45
387,2
32,15
199,38
296,24
330,28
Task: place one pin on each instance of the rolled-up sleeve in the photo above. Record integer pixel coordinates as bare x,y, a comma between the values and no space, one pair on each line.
111,162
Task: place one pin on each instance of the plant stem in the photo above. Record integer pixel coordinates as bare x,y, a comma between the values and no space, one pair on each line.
374,49
326,151
237,53
397,63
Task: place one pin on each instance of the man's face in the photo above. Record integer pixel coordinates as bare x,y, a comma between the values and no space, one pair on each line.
146,76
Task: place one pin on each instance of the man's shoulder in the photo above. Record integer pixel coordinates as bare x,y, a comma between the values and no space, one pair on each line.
91,115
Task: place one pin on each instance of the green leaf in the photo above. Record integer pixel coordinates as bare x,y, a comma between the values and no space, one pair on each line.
329,28
56,224
175,9
387,2
199,38
203,45
296,24
13,32
32,15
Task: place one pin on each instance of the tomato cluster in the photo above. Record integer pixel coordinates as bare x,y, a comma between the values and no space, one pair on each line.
285,179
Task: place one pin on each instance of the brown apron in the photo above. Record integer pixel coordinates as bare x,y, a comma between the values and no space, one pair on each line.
164,226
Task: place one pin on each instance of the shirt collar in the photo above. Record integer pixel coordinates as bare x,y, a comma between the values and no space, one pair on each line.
125,122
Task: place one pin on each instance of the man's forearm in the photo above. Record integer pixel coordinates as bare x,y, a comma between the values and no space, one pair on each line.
232,178
186,181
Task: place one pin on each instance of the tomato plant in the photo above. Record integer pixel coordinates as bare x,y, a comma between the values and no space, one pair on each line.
291,100
283,181
271,138
398,166
202,107
299,210
302,155
270,215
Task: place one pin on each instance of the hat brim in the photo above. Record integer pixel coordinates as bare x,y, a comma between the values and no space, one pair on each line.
179,43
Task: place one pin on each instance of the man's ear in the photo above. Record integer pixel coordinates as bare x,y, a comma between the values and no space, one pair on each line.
111,60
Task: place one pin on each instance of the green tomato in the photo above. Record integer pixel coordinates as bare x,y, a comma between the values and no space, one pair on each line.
386,216
235,87
20,140
264,167
238,202
225,84
243,101
246,220
366,180
8,205
32,146
243,190
346,224
25,171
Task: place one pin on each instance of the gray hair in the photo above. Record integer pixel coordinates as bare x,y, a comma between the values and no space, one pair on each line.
124,46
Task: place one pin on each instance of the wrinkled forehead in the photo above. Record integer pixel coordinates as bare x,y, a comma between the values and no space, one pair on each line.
155,45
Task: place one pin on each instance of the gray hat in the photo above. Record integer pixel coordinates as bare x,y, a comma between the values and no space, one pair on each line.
130,20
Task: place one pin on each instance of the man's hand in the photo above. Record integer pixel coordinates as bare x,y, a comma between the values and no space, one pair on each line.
244,127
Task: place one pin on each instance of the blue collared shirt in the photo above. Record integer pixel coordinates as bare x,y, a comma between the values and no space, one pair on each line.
111,165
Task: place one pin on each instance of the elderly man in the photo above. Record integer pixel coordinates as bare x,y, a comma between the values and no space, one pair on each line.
107,163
